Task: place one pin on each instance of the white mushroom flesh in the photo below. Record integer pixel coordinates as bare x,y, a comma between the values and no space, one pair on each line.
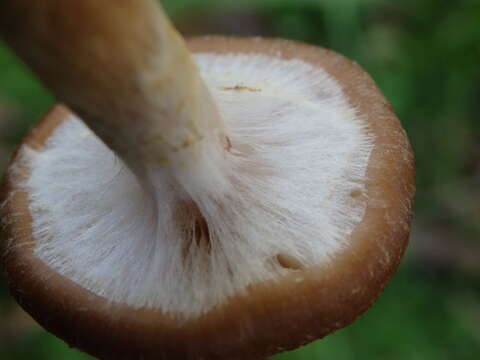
284,194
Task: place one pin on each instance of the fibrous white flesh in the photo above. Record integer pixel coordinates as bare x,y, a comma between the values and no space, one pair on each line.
298,152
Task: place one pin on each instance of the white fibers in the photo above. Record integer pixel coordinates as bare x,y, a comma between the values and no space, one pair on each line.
195,236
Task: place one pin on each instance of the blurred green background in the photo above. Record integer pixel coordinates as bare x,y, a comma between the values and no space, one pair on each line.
425,56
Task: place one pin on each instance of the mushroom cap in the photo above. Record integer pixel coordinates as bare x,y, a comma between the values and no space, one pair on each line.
272,316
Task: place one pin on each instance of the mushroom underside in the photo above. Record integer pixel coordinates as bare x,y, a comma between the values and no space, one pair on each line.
285,195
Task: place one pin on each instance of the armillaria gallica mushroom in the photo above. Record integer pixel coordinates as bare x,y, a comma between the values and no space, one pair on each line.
219,198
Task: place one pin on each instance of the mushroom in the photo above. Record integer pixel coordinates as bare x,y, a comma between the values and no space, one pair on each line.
223,198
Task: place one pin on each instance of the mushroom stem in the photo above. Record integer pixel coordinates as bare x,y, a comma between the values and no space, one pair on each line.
123,68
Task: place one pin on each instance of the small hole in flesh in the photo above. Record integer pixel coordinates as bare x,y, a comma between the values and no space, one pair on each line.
193,226
356,193
227,144
201,234
289,262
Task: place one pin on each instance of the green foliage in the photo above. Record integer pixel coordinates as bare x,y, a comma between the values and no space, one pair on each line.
21,90
41,345
409,321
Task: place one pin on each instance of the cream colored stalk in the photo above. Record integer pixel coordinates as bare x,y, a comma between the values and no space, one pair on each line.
122,67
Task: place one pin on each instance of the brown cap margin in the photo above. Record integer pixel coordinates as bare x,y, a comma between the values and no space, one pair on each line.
274,316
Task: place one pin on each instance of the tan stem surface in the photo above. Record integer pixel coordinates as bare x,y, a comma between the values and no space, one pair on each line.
121,66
